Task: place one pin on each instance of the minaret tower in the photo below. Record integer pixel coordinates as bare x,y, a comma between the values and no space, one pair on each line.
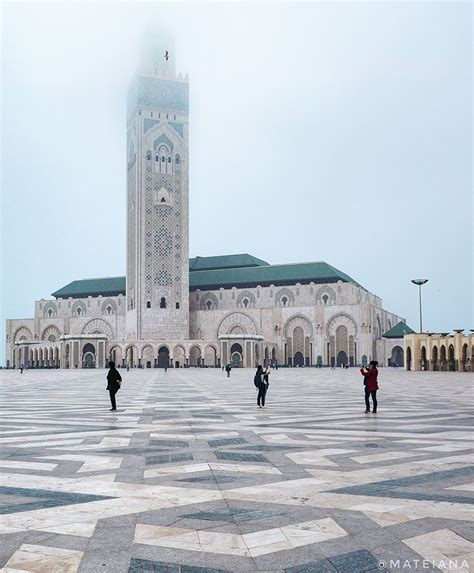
157,199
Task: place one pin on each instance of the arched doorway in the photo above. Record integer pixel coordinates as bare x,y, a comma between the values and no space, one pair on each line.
88,356
464,358
210,356
147,357
274,356
341,359
130,357
116,355
442,358
408,366
195,356
236,355
298,359
451,359
163,357
423,361
397,356
434,358
178,357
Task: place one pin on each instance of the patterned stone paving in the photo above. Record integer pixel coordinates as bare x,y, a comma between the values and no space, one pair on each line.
189,476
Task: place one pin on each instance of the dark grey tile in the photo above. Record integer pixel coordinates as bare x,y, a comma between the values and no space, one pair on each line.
226,442
356,562
235,456
231,515
43,499
168,458
170,443
148,566
322,566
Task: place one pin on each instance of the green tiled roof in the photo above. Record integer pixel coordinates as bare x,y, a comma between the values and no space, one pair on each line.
265,275
398,331
224,262
109,286
209,273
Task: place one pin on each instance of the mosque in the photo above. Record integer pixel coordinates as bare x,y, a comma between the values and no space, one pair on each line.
174,311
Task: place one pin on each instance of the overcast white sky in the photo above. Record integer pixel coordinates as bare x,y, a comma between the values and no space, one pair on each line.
319,131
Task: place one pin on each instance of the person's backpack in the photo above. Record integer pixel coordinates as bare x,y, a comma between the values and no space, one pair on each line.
257,380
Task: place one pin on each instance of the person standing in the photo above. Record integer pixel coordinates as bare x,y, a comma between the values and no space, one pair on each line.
262,386
114,381
228,368
371,385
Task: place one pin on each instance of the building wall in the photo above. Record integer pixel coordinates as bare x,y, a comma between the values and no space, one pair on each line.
318,321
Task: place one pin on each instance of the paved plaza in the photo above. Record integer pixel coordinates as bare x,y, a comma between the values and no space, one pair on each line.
190,476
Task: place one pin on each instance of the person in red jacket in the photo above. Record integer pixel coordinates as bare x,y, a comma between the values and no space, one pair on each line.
371,386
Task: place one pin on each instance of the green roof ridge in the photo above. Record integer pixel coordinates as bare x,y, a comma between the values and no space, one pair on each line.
398,331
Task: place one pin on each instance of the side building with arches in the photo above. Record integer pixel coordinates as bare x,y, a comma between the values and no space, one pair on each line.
440,352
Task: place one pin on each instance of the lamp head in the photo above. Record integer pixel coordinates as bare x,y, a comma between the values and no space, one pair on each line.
419,282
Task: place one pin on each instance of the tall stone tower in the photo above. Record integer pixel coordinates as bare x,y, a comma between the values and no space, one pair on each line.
157,198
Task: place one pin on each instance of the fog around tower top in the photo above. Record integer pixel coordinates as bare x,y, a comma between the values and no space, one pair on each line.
339,132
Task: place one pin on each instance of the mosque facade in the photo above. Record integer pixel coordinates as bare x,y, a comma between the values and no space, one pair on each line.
170,310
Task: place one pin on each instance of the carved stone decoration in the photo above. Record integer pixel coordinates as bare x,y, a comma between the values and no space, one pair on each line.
295,322
341,319
237,319
98,326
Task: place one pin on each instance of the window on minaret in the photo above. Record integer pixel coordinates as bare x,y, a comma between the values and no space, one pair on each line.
177,306
177,159
163,302
284,300
208,304
148,304
245,302
148,156
50,313
78,312
325,299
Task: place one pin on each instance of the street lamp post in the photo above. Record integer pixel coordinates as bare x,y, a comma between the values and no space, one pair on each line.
420,283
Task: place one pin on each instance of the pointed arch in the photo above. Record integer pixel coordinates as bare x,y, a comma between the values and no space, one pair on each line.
51,332
240,320
98,326
22,333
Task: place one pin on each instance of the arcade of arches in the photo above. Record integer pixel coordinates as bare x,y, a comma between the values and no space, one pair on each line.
440,352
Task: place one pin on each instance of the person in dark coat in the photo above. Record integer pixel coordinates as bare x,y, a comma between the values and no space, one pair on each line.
371,385
228,368
114,380
262,386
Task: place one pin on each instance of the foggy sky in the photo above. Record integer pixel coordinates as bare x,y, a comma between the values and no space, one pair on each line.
339,132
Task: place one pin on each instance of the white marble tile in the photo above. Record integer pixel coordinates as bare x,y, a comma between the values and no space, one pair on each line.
42,559
387,456
44,466
443,547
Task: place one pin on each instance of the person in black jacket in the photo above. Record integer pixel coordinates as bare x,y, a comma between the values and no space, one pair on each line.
262,386
113,384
